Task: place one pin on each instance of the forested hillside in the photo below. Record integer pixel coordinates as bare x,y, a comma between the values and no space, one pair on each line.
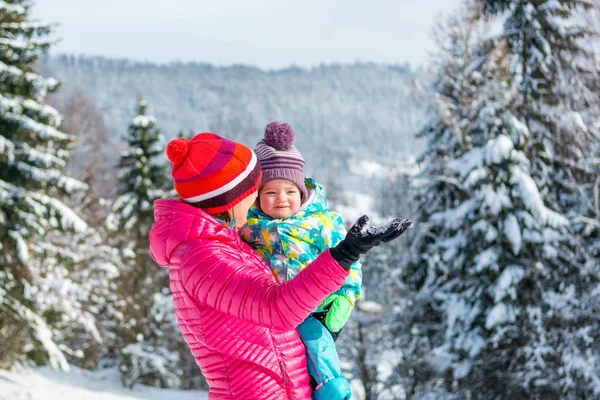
341,113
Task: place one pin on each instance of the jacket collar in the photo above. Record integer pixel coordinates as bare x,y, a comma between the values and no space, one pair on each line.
177,221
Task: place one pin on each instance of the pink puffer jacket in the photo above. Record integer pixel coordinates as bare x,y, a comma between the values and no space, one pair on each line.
239,322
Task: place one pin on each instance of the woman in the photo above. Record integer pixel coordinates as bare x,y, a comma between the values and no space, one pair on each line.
239,322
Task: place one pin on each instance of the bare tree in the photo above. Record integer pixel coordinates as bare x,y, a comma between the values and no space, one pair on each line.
94,155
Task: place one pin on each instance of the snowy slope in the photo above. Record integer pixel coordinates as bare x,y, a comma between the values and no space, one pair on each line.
46,384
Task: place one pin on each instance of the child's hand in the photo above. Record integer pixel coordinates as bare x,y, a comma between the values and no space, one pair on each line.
338,313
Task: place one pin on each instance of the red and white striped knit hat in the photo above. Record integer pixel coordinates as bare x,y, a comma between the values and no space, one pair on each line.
279,158
212,172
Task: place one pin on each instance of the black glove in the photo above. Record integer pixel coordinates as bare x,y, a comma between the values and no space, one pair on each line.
361,238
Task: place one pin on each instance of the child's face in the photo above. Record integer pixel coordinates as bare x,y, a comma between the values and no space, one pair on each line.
279,198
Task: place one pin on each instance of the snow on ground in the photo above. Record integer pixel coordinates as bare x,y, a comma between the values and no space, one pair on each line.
46,384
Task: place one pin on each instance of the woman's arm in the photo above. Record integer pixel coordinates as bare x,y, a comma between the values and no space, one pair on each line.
214,275
249,291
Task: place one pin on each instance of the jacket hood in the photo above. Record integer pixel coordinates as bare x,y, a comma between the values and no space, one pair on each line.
176,222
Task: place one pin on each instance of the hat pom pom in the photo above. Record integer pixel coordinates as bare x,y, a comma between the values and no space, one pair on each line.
177,150
279,135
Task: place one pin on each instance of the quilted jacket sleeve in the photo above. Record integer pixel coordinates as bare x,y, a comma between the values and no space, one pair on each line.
247,290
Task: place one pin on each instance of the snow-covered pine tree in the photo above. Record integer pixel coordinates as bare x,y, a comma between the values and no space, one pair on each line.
552,44
37,291
497,297
420,330
152,349
90,286
143,178
97,267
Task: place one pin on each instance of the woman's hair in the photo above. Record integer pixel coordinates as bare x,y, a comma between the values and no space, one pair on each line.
223,216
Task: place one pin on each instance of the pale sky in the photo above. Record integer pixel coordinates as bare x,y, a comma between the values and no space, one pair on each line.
265,33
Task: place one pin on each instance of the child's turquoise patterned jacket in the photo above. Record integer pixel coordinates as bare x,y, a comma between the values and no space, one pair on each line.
290,244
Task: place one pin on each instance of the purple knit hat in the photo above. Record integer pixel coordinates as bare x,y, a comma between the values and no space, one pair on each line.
279,158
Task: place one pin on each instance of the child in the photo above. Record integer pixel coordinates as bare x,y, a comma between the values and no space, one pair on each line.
290,225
